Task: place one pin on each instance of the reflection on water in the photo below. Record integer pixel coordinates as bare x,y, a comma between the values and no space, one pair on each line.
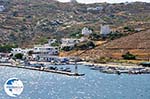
94,85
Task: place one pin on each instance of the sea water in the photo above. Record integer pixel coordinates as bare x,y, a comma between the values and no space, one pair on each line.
94,85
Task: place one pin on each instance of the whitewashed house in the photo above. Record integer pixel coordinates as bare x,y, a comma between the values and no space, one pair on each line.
2,8
44,49
105,30
98,8
45,53
69,42
51,41
86,31
20,50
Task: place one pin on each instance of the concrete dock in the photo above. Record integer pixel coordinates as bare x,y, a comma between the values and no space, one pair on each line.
45,70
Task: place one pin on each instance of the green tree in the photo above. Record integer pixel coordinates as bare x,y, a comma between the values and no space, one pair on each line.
95,37
55,44
67,48
6,48
30,53
43,40
129,29
129,56
76,35
85,45
19,56
115,35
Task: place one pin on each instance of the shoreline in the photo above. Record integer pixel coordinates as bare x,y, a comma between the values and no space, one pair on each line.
109,68
111,64
117,68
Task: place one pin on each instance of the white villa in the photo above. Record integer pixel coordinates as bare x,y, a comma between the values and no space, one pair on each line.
45,49
45,53
2,8
105,30
86,31
20,50
69,42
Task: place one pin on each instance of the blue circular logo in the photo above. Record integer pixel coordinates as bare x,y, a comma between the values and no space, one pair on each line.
13,87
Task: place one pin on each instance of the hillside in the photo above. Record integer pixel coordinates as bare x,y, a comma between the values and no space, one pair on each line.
140,40
27,22
138,44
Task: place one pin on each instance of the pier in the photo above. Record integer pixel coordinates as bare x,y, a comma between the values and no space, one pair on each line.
45,70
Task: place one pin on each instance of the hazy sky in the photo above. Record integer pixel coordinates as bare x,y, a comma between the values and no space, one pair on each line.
110,1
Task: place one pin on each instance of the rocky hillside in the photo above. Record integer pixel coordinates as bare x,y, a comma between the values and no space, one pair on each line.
138,44
27,22
140,40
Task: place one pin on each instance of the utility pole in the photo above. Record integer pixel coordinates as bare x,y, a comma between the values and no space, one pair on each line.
76,67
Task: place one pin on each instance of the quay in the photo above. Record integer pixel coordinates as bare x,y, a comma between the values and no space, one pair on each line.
115,68
46,70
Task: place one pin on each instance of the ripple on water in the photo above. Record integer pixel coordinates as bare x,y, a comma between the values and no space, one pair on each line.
94,85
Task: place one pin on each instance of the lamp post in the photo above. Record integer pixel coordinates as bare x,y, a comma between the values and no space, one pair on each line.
76,67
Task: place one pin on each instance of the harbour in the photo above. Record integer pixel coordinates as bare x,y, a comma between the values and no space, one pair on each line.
74,49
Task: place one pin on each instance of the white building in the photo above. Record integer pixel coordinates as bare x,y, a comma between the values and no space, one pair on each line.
45,49
83,39
86,31
95,8
69,42
105,30
45,53
51,41
20,50
2,8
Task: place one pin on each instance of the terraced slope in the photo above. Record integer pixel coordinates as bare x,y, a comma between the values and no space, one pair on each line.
138,44
26,22
140,40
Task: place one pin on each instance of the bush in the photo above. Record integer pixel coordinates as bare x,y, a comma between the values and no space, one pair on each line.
30,53
95,36
129,56
102,60
115,35
85,45
76,35
55,44
126,28
19,56
129,29
67,48
42,40
7,48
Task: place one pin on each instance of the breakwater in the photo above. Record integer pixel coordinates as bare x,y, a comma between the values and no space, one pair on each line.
46,70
